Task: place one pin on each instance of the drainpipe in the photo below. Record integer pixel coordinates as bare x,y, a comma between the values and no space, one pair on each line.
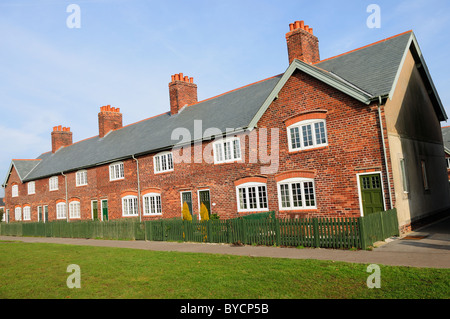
384,152
139,188
67,202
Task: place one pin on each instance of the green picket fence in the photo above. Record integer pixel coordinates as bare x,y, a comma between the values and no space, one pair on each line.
266,230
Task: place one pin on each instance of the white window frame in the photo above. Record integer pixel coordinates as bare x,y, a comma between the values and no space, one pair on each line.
74,209
15,190
246,190
225,151
53,183
299,126
18,214
152,208
290,182
61,211
116,171
26,213
81,178
31,186
163,162
129,206
448,162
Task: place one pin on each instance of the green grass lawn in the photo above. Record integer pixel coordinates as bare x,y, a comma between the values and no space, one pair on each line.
39,271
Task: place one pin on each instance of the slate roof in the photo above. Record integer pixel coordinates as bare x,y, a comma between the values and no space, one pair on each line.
371,69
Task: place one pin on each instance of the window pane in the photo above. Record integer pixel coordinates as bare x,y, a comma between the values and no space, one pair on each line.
242,198
237,149
307,135
285,202
320,133
169,161
218,149
297,194
295,138
252,197
227,150
309,194
262,196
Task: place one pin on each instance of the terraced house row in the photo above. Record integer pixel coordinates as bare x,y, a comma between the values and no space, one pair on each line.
345,136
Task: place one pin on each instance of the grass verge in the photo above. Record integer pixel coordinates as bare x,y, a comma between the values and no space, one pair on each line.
39,271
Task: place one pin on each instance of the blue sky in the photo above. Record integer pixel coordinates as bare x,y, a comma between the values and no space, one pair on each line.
126,50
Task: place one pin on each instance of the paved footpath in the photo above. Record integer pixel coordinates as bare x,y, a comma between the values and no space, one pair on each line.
429,248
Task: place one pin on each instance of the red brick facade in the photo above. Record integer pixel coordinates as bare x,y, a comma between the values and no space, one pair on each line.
354,146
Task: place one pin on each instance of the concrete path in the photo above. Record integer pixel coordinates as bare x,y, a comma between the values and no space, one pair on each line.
429,248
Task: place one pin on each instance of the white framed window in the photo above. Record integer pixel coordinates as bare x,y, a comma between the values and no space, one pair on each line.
116,171
152,204
252,197
31,188
448,162
74,209
163,162
15,190
53,183
129,206
18,213
227,150
296,194
61,210
307,134
27,213
81,178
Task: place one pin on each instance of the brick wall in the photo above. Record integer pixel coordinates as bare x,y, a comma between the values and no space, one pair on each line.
354,146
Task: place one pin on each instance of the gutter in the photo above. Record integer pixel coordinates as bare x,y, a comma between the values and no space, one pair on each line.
384,152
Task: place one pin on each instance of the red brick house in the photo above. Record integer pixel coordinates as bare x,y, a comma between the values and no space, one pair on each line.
346,136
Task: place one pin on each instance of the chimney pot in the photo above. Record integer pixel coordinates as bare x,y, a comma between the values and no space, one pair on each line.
183,92
109,118
303,46
61,137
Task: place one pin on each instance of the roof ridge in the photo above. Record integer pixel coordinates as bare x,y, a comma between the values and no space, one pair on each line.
364,47
239,88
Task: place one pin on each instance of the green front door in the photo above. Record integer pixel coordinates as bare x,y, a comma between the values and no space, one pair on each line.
104,210
371,193
204,199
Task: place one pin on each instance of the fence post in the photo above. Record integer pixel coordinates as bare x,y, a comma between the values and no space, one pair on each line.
277,232
316,232
362,232
163,230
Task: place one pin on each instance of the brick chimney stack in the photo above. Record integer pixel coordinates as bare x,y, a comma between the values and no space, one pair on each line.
302,43
61,137
109,119
182,91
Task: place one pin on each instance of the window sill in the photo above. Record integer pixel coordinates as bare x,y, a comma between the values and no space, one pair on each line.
163,172
308,149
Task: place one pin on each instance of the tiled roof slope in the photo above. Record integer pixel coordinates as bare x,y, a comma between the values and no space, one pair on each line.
372,68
